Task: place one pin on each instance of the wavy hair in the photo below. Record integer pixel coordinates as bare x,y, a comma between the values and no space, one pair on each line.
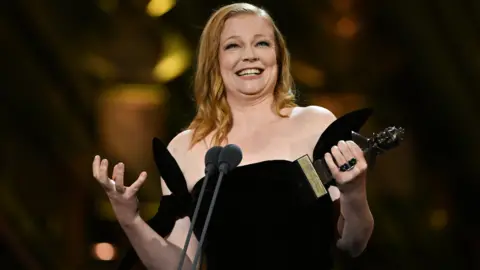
213,111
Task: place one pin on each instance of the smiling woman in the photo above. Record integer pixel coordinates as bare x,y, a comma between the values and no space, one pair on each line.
248,62
239,47
244,95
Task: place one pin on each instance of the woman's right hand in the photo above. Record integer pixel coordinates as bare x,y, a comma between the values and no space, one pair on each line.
123,199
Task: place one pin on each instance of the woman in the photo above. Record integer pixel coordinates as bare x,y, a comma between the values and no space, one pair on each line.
244,97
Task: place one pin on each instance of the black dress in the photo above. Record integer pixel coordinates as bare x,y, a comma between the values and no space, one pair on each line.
261,220
266,215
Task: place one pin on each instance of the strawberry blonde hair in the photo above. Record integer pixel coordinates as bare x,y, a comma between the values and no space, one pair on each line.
213,111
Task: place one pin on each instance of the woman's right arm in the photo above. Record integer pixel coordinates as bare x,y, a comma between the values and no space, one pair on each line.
156,252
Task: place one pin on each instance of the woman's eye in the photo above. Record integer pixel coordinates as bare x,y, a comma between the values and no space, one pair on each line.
230,46
263,43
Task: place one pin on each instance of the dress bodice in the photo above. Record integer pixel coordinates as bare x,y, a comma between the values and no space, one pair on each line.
261,220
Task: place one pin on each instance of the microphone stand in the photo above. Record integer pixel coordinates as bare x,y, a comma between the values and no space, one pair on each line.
211,166
207,220
228,159
193,221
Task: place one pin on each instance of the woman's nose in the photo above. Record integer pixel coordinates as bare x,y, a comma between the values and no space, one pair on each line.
249,55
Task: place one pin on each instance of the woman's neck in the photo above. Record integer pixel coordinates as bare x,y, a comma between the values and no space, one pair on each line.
250,115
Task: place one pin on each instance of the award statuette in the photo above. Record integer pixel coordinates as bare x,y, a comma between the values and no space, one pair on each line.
345,128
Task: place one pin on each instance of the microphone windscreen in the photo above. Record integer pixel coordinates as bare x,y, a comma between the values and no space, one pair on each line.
230,157
212,155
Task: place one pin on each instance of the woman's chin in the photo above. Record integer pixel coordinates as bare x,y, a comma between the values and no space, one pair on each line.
254,91
250,92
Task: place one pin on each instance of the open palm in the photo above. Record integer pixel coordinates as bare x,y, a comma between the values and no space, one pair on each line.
123,199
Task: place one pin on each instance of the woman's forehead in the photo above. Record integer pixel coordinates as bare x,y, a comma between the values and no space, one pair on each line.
247,25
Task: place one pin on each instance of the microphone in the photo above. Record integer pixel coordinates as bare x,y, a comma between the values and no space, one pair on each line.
211,165
229,158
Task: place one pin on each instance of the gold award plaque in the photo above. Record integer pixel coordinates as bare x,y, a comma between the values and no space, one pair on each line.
312,176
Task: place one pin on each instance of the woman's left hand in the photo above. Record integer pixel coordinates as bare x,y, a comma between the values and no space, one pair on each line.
351,171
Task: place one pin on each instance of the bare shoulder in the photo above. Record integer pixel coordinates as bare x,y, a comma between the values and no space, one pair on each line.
314,113
189,159
309,123
312,119
179,145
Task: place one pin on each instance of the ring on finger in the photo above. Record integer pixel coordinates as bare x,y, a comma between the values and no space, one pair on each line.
348,166
352,162
344,167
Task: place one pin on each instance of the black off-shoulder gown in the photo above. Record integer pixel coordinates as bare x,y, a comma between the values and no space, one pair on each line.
265,216
261,220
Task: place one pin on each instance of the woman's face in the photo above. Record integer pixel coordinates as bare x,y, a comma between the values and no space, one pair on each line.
247,56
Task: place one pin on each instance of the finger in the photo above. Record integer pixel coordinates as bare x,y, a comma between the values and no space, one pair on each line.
331,164
338,156
355,149
138,183
102,174
358,154
118,175
96,166
345,150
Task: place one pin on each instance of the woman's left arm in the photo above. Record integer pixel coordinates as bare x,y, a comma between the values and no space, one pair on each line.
355,223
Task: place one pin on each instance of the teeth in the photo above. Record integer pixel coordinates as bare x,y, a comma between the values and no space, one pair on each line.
250,71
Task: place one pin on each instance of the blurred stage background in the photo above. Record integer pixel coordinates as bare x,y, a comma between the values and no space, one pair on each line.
86,77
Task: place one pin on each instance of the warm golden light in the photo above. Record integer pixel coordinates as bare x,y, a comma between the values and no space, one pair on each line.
105,211
135,94
156,8
108,5
307,74
340,104
439,219
104,251
175,61
342,5
129,116
346,27
99,66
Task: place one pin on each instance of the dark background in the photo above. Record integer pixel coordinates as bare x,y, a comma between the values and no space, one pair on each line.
78,79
